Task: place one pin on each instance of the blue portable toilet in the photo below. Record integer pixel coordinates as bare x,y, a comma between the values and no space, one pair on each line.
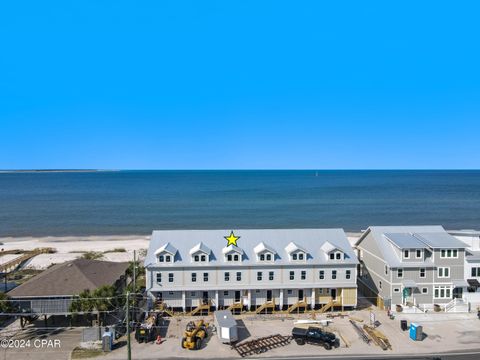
416,332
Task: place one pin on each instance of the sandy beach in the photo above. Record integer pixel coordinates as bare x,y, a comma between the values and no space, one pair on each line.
113,248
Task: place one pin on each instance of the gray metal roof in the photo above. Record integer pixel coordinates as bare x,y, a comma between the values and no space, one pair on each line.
437,240
425,233
405,241
472,256
278,239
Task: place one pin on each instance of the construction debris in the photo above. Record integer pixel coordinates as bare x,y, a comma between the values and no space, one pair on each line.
363,335
378,337
261,345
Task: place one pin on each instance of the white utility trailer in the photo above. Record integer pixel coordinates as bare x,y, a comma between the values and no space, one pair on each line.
227,328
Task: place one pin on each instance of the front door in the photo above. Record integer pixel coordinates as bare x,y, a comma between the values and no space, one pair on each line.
237,296
457,293
205,297
269,295
300,295
333,293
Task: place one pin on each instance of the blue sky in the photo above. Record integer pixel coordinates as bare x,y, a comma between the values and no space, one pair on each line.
239,84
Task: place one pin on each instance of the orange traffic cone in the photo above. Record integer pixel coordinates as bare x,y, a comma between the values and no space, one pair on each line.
159,339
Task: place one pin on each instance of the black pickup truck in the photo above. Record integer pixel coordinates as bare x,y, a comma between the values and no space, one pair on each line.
316,336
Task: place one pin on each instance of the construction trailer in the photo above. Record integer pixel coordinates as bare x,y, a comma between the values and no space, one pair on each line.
227,328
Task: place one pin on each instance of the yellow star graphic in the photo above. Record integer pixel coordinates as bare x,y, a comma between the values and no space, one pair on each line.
232,239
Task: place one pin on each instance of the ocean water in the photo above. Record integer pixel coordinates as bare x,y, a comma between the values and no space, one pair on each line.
136,202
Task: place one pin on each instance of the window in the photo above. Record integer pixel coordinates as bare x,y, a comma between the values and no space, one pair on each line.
170,277
449,253
196,258
396,290
294,257
269,257
262,257
205,277
332,256
194,277
443,272
193,294
300,256
303,275
289,292
292,275
386,270
168,258
271,275
321,274
259,276
422,272
257,291
475,271
400,273
380,284
348,274
424,290
159,277
170,293
203,258
229,257
418,254
161,258
227,276
406,254
334,274
235,257
239,276
338,256
442,292
225,293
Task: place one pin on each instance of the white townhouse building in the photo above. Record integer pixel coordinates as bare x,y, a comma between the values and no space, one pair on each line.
413,267
251,269
472,262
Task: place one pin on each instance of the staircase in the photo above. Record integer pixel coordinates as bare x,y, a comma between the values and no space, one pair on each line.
457,305
326,307
299,304
266,306
162,307
236,307
201,308
12,264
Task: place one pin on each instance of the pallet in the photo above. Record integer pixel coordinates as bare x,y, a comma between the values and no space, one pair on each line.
261,345
378,337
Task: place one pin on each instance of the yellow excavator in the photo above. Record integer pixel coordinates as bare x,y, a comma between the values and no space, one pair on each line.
194,334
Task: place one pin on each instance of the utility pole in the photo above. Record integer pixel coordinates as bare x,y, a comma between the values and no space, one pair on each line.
129,349
134,272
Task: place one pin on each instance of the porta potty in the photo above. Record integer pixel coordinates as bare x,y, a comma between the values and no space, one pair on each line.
227,328
416,332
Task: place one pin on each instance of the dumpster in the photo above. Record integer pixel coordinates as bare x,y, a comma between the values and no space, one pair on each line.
403,325
416,332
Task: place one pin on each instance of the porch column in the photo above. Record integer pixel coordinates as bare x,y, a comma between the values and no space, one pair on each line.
249,299
312,301
280,306
216,300
184,301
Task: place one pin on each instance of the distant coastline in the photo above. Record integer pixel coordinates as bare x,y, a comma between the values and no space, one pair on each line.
54,171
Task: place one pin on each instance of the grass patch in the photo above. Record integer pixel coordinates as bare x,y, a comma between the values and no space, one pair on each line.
92,255
82,353
116,250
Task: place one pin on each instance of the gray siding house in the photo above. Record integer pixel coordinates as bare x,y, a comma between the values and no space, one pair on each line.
411,266
250,268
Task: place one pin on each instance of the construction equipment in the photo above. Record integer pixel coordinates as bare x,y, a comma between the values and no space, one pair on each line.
147,331
194,334
261,345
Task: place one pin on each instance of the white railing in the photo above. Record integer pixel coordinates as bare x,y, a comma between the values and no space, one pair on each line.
451,305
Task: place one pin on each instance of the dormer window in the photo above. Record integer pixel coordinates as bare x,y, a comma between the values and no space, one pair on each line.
295,252
232,253
166,254
264,252
336,255
200,253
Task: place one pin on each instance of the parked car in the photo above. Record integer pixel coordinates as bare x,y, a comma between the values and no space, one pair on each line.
317,336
